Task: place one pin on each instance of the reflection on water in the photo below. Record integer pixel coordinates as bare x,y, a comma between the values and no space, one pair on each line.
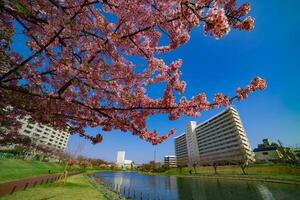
265,192
179,188
118,180
157,186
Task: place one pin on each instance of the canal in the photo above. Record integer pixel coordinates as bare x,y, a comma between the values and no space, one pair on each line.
184,188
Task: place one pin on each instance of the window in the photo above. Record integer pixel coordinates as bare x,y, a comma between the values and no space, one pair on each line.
265,153
39,130
29,126
27,131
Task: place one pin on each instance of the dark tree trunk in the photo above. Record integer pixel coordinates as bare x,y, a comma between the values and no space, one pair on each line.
215,168
243,167
195,170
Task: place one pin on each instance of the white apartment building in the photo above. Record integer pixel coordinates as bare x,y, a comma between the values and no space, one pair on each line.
45,135
181,150
121,162
192,144
220,139
120,157
170,161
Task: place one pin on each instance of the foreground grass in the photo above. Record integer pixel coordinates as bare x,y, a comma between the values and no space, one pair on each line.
14,169
271,171
76,188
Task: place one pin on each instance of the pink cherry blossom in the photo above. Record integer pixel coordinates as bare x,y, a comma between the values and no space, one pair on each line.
82,69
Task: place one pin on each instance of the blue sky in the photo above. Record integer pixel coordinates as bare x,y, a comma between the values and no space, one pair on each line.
271,50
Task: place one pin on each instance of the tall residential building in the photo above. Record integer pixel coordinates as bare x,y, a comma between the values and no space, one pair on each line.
181,150
220,139
45,135
120,157
191,140
170,161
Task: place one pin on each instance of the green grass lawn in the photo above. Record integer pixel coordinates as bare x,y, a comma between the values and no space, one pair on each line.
14,169
76,188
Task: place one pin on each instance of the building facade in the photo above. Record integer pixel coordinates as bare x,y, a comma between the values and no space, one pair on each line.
44,135
181,150
219,140
120,157
267,154
271,152
121,162
170,161
193,150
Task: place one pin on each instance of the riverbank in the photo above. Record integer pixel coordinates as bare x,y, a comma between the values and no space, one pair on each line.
289,174
104,189
77,187
241,177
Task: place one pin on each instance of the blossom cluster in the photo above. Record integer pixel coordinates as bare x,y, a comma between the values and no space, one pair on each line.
256,84
82,69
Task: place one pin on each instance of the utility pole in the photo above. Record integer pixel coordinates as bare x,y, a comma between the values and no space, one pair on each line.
154,153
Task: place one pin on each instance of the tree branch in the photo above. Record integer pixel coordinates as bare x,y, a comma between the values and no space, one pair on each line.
32,56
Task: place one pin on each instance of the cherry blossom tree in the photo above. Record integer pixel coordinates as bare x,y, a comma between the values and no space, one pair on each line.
81,72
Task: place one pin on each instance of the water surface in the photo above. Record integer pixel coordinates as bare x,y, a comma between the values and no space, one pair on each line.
184,188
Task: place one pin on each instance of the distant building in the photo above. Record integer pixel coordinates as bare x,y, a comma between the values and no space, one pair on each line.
267,154
120,157
128,163
45,135
219,140
121,162
170,161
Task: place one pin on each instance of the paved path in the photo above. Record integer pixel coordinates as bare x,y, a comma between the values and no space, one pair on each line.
13,186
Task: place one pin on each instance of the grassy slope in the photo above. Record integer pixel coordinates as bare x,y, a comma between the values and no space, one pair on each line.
76,188
13,169
258,170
